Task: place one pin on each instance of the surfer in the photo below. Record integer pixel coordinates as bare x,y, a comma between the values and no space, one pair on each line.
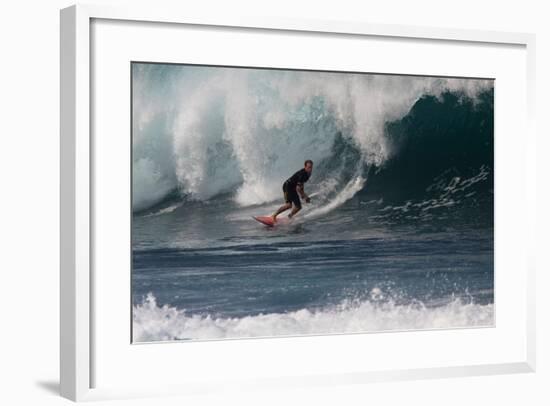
293,187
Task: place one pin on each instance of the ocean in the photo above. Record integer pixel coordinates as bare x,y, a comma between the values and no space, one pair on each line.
398,234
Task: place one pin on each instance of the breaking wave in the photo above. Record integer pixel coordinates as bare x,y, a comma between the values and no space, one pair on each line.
202,132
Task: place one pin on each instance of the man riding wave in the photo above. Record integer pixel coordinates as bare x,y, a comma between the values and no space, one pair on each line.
293,189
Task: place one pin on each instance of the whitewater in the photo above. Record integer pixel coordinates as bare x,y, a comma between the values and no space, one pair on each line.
166,323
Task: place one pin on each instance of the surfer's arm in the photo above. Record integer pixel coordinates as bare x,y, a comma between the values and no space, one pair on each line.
300,189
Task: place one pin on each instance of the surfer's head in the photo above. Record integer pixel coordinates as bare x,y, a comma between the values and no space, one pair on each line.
308,165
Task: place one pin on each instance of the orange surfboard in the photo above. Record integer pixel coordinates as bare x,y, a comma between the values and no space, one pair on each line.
267,220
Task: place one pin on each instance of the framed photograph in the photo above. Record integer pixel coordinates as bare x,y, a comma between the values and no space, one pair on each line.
281,202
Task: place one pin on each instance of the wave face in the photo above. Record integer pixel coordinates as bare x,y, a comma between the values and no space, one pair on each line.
203,132
445,139
167,323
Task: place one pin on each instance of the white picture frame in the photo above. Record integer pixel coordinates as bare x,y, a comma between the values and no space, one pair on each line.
78,284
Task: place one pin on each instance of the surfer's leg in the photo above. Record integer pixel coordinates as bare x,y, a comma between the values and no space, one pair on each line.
284,207
295,210
281,209
297,205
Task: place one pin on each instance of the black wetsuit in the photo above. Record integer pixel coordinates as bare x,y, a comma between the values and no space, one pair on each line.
289,187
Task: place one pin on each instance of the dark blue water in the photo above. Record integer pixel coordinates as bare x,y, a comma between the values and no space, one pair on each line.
214,261
246,280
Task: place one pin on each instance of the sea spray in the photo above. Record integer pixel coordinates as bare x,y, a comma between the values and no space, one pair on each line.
166,323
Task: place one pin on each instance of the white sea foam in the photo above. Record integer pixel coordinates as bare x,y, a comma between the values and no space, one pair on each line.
166,323
349,190
165,210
